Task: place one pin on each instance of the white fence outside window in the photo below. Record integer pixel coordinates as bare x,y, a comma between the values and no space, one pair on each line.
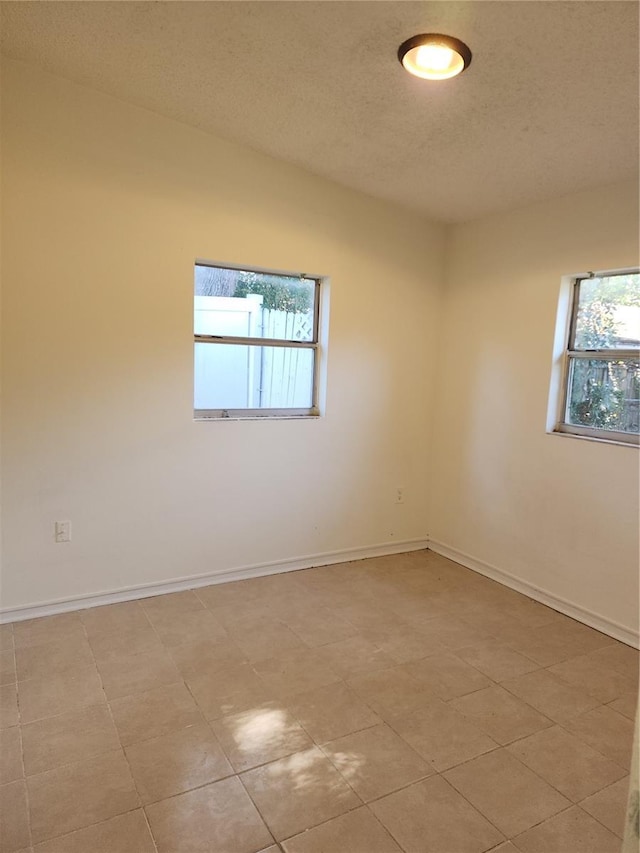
243,376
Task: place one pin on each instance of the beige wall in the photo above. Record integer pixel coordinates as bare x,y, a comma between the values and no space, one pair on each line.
559,513
106,206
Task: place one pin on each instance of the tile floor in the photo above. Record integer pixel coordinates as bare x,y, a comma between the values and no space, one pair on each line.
396,704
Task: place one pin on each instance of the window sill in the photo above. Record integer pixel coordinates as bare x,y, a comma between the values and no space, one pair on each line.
598,440
260,418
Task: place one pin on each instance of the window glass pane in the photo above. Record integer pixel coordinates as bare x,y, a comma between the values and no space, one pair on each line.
604,394
608,313
237,376
253,305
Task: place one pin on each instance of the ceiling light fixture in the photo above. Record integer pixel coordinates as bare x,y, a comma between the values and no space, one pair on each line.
433,56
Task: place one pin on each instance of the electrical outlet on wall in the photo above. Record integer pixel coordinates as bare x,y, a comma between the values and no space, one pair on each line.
62,531
399,495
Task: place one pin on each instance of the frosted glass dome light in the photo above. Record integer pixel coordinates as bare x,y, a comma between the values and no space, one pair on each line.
434,56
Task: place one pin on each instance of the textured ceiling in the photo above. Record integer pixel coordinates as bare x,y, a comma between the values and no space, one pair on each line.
548,106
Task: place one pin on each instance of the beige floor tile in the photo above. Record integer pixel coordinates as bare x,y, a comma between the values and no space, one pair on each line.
74,736
414,602
243,612
621,658
296,672
261,638
80,794
113,617
606,731
552,644
418,640
506,792
447,676
551,696
52,658
48,629
205,657
357,831
11,767
431,817
191,626
6,637
229,690
262,734
391,692
501,715
331,712
218,817
155,713
573,831
355,655
626,705
58,694
453,633
7,667
127,833
113,645
178,762
442,736
532,614
320,626
227,596
579,638
376,762
566,762
9,714
14,828
609,805
496,660
495,621
137,673
535,645
364,616
279,586
402,643
171,604
298,792
597,680
415,611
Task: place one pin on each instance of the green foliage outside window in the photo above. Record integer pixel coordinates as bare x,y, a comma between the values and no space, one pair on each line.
606,394
279,293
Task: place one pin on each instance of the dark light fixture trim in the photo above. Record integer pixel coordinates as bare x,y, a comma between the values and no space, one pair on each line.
439,40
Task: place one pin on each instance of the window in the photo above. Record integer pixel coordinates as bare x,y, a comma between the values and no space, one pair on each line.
255,343
602,358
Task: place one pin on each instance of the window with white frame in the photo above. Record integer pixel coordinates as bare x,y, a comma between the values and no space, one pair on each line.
255,343
601,388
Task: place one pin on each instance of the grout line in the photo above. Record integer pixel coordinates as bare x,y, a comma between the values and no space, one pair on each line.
150,831
361,805
20,727
255,805
96,823
124,752
383,827
571,805
82,828
597,819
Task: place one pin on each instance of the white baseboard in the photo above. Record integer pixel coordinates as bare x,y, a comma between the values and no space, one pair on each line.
130,593
575,611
